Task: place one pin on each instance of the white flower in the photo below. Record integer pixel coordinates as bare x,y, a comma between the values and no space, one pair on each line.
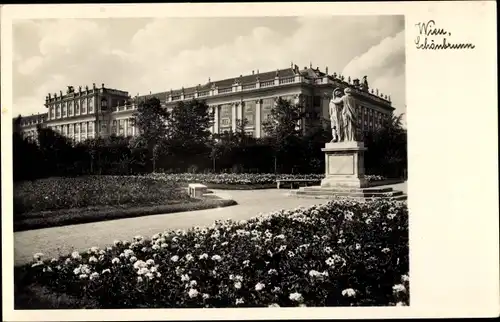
405,278
246,262
92,259
139,279
291,254
224,243
282,248
76,255
67,261
358,246
391,216
149,275
272,271
37,264
193,283
328,250
185,278
150,262
240,301
398,288
155,236
155,247
259,286
205,296
349,292
37,256
276,289
133,259
237,285
115,261
368,221
77,271
297,297
94,250
203,256
193,293
94,275
105,271
163,245
117,242
216,258
174,258
83,276
189,257
197,246
385,250
280,236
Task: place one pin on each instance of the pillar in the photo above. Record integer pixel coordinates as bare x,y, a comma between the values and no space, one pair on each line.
258,126
234,115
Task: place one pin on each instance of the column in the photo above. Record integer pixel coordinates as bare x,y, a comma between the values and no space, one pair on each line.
233,115
216,118
125,127
258,126
239,110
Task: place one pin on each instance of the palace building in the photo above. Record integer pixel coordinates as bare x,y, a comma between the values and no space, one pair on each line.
100,111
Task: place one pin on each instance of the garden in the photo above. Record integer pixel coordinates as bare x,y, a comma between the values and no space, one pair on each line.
342,253
64,201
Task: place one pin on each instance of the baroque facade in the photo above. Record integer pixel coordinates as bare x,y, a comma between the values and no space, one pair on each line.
88,113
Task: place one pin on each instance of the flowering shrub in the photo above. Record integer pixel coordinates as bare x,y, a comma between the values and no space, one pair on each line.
232,178
343,253
79,192
373,178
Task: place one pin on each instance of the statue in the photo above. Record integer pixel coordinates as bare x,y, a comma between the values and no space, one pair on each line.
348,116
365,82
86,88
336,120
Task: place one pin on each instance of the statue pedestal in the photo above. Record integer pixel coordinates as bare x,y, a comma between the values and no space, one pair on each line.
344,165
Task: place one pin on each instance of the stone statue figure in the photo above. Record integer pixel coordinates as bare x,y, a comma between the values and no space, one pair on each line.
348,116
336,120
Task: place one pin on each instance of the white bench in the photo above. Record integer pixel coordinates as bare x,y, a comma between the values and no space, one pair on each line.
197,190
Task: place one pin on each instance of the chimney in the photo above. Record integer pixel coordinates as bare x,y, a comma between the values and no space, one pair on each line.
253,72
257,71
326,70
102,85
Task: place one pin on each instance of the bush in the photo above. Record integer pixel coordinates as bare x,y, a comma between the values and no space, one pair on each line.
343,253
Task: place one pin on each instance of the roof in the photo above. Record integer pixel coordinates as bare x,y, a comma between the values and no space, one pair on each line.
228,82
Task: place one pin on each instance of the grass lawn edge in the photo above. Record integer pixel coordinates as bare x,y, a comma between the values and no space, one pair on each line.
118,213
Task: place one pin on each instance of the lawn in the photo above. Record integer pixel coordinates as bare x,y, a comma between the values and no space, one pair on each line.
343,253
65,201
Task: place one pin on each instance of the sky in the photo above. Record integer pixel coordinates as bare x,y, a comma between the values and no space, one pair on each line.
141,55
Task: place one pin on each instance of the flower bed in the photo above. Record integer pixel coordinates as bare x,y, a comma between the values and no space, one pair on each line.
343,253
232,178
81,192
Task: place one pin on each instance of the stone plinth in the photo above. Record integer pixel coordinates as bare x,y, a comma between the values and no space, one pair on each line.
344,165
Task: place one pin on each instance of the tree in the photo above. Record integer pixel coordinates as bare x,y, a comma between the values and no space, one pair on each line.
387,148
151,119
189,133
282,128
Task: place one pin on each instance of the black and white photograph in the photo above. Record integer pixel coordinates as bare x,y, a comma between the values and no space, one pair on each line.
211,161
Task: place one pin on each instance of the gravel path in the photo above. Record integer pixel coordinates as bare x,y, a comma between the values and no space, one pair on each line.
57,241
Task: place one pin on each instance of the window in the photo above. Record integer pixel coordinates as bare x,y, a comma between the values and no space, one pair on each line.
225,122
121,127
84,127
63,112
113,127
84,109
77,108
317,101
70,107
249,112
70,110
90,105
91,126
58,111
129,127
77,128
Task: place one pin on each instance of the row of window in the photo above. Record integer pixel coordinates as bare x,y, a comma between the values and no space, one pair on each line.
71,108
122,127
